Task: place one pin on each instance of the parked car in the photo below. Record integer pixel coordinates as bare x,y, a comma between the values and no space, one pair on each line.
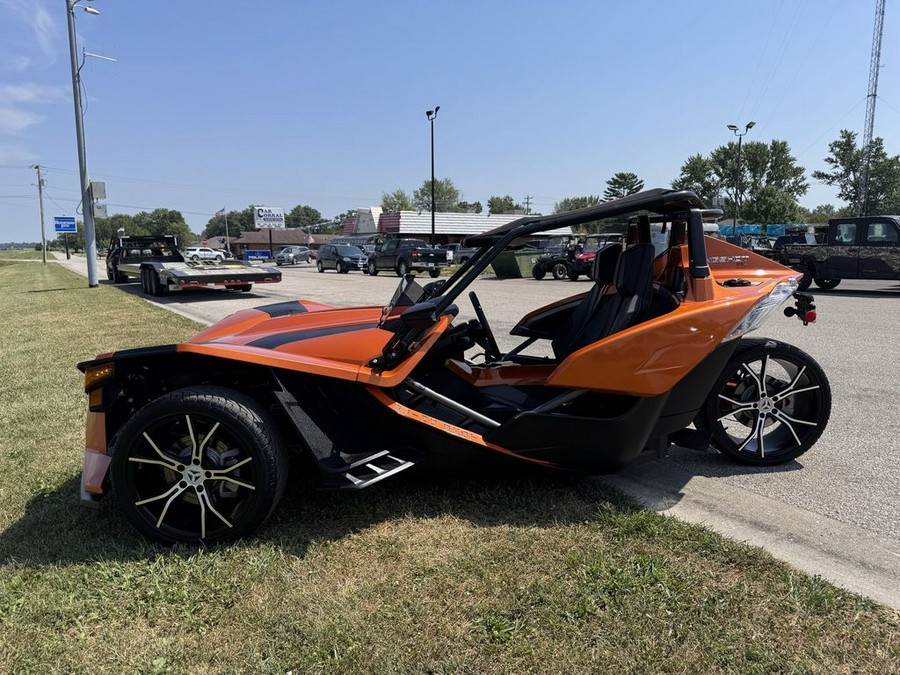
342,258
203,253
228,254
408,255
292,255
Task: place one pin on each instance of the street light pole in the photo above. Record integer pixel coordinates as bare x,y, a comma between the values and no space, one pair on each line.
737,181
431,114
87,203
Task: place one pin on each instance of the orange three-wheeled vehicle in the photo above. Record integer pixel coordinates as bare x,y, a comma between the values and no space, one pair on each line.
196,436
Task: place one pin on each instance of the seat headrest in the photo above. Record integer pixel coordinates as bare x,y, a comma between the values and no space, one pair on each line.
634,273
604,269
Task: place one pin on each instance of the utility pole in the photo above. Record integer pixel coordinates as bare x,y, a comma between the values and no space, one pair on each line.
87,201
40,185
527,205
863,209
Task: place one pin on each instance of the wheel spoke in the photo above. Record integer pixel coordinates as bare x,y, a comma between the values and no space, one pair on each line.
233,480
781,415
166,459
735,412
761,442
759,388
790,388
206,438
790,426
786,393
762,376
219,473
757,425
206,503
173,488
732,401
195,455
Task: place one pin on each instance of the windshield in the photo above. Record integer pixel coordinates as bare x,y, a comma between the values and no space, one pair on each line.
348,250
407,294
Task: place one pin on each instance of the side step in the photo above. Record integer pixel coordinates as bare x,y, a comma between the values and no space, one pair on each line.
355,472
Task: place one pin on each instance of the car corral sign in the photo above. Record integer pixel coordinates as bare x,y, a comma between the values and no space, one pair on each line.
268,217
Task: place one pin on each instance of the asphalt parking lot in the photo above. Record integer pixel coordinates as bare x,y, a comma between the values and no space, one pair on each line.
833,512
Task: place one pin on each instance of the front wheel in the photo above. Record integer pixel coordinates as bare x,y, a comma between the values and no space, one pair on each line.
434,274
203,464
339,267
560,271
827,283
538,272
319,266
769,405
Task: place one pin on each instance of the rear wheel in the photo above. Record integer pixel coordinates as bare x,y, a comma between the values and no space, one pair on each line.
402,268
827,283
560,271
373,270
573,275
199,465
434,274
319,266
245,288
339,267
770,404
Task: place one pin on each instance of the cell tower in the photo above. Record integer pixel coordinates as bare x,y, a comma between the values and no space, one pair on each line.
870,107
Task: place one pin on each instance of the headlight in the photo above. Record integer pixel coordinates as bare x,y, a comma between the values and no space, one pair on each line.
761,309
345,259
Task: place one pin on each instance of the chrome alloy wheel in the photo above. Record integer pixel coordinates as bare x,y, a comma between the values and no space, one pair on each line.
771,404
202,464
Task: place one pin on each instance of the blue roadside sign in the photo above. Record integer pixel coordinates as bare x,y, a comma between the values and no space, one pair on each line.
64,224
263,254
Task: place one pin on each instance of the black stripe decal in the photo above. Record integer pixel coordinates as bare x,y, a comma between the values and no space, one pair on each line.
283,308
273,341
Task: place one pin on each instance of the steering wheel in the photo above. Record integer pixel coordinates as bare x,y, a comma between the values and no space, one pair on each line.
491,350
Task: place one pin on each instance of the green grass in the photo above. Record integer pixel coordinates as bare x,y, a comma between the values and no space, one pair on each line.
452,576
22,255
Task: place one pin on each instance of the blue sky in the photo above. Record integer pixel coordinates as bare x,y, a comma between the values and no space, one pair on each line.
213,104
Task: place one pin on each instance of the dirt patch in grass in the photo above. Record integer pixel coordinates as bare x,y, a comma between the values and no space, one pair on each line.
418,575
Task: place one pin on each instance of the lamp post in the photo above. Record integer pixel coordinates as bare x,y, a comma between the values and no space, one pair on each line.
737,180
87,202
431,114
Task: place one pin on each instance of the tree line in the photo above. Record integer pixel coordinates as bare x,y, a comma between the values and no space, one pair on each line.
765,190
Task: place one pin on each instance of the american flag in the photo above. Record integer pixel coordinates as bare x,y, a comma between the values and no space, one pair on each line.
220,212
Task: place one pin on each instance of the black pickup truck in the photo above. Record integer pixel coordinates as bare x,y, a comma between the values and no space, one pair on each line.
854,248
407,255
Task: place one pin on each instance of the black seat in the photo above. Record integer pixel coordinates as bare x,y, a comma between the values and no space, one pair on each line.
603,272
633,282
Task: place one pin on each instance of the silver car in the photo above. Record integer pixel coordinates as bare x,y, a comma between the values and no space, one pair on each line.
291,255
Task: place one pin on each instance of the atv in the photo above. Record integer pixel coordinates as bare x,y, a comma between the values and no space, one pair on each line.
195,438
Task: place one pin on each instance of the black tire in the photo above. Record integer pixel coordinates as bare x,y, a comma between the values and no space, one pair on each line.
195,258
278,263
110,275
538,272
174,488
573,275
373,270
245,288
827,283
560,271
153,283
145,282
805,278
785,403
219,259
319,266
434,274
339,267
118,278
402,268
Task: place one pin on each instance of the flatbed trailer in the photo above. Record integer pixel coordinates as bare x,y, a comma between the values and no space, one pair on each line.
161,268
